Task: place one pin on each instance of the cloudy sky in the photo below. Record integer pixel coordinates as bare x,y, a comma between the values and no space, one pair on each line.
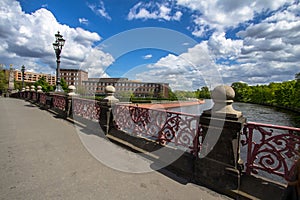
187,43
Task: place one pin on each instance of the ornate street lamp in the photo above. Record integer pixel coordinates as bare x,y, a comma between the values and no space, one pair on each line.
23,76
57,45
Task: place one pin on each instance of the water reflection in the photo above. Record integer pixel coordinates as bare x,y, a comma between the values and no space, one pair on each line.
253,112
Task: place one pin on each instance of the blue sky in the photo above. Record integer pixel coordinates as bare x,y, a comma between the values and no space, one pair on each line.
187,43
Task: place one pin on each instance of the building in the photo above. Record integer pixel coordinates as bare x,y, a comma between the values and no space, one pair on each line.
74,76
31,77
124,86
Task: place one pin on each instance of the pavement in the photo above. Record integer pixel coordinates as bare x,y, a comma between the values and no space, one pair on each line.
43,157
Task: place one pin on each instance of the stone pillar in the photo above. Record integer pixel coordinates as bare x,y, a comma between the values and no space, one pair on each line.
106,117
27,92
38,92
217,165
70,95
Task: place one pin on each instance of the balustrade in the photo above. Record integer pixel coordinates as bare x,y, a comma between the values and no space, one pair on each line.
89,109
270,148
171,128
43,98
33,96
59,102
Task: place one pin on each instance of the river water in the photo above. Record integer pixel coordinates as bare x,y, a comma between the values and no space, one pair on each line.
252,112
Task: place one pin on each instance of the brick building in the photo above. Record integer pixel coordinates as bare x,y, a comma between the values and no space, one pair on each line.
123,85
74,76
31,77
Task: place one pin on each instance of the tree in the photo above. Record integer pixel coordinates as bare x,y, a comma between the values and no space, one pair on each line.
64,84
204,93
46,87
3,80
241,91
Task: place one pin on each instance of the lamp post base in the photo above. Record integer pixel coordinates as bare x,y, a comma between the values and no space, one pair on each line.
59,89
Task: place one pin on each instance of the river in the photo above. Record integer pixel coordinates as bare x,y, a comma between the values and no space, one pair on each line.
252,112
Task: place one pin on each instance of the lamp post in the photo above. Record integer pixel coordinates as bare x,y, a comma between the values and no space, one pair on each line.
57,45
23,76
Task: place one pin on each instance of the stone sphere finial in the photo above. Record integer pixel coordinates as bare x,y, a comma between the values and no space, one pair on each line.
72,89
222,97
110,98
110,89
39,89
223,92
32,88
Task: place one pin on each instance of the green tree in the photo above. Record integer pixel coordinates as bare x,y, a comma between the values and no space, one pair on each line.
64,84
3,80
241,91
204,93
46,87
286,94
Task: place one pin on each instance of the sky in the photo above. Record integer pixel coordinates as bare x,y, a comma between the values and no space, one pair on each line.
186,43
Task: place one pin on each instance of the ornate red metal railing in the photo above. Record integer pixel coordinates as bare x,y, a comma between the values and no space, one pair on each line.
168,128
89,109
59,102
33,96
270,148
43,98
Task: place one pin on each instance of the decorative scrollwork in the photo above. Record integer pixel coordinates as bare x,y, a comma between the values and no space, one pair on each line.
89,109
43,98
168,128
270,151
59,102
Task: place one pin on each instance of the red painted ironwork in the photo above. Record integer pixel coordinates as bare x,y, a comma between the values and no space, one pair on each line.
271,148
43,98
33,96
166,127
86,108
59,102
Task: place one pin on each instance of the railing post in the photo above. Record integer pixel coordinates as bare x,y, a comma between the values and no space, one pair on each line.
27,93
218,163
69,106
106,117
38,93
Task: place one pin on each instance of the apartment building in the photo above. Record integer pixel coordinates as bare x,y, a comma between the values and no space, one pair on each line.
123,85
31,77
74,76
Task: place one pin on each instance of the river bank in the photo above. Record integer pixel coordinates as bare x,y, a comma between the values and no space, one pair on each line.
170,105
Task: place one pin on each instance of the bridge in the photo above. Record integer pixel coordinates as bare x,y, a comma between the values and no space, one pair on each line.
206,148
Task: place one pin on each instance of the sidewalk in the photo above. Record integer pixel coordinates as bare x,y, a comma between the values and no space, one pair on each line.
42,157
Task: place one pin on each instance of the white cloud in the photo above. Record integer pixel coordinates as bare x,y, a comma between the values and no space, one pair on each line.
268,51
26,39
99,9
148,56
185,72
222,14
151,10
83,21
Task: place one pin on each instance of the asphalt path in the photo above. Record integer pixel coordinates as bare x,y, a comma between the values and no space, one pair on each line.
42,157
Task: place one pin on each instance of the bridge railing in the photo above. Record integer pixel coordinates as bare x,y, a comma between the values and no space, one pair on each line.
271,149
86,108
59,102
168,128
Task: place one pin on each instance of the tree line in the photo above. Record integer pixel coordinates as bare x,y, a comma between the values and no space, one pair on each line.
285,94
